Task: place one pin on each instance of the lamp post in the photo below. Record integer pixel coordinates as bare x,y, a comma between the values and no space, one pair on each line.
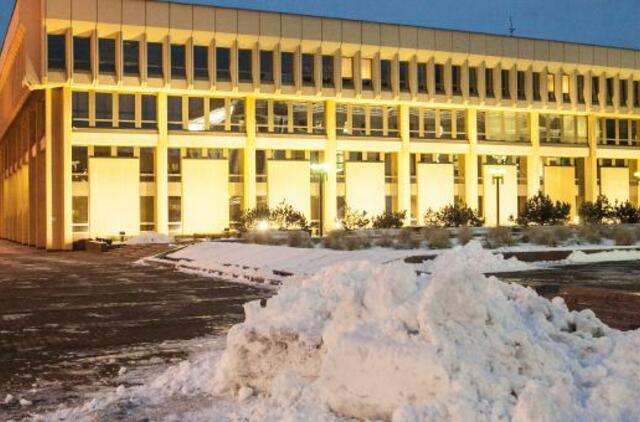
497,178
321,170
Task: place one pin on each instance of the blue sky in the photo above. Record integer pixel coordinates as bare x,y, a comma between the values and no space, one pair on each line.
604,22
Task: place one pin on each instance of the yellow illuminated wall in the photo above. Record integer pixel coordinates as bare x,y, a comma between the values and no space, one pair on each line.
508,194
614,183
114,196
365,182
205,196
289,181
435,187
559,184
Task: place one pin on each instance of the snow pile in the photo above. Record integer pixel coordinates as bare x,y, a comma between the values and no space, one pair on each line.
580,257
148,238
484,260
378,341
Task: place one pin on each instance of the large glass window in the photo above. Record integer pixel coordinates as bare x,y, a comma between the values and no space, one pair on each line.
358,121
126,111
566,129
174,113
535,76
201,62
520,82
266,66
300,117
327,71
580,88
80,109
237,115
403,74
154,60
280,117
308,69
551,87
439,79
347,72
104,110
196,114
366,120
178,61
505,83
223,64
473,81
456,80
149,112
385,75
56,52
262,116
147,213
595,90
244,65
623,93
107,55
609,91
503,126
488,83
422,78
79,163
217,114
81,54
287,68
131,58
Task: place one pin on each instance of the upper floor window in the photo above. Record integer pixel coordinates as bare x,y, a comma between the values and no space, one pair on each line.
535,79
327,71
618,132
107,55
566,89
520,82
366,73
440,79
126,111
81,54
223,64
551,87
623,93
473,81
580,88
456,80
201,62
422,78
505,83
104,109
131,58
503,126
595,90
565,129
289,117
488,83
366,120
403,76
174,113
178,61
609,91
245,73
287,68
385,75
149,111
80,109
437,123
154,60
56,52
636,93
308,69
347,72
266,66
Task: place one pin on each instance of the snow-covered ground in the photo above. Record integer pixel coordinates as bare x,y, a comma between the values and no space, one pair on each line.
363,339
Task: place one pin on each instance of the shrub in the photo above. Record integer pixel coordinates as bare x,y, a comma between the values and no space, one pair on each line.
342,240
596,212
333,239
385,240
455,215
625,236
548,236
465,234
283,217
589,233
626,213
499,236
299,239
354,219
407,239
436,237
389,220
250,217
541,210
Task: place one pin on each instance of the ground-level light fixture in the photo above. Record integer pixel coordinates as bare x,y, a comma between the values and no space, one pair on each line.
321,170
263,225
497,178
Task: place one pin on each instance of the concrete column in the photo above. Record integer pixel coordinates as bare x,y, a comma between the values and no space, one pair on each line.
471,161
404,165
591,162
249,164
533,160
330,206
161,168
66,175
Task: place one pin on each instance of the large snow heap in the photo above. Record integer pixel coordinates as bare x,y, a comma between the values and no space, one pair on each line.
379,341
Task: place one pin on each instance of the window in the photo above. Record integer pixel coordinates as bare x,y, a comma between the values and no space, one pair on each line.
488,83
318,123
266,67
385,75
473,81
81,54
175,212
217,114
566,84
237,115
564,129
131,58
403,76
178,61
580,88
56,52
80,214
104,110
244,65
107,56
358,121
347,72
439,79
376,123
201,62
595,90
456,80
422,78
366,74
173,163
505,83
154,60
79,163
149,112
223,64
147,213
124,152
300,118
327,71
503,126
521,85
536,86
196,114
80,109
636,93
101,151
551,87
174,113
126,111
609,91
280,116
287,68
623,93
308,69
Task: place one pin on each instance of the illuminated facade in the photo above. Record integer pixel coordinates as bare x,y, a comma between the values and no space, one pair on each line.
133,115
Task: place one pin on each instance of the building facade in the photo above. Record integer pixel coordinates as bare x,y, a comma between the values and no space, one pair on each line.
122,116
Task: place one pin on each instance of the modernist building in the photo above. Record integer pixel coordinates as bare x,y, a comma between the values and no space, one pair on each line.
133,115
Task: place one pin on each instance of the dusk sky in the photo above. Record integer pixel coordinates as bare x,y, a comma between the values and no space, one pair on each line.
604,22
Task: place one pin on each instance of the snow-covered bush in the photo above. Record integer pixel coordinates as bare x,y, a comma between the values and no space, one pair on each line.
407,239
299,239
465,235
389,220
346,241
589,233
548,235
497,237
436,237
625,236
542,211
